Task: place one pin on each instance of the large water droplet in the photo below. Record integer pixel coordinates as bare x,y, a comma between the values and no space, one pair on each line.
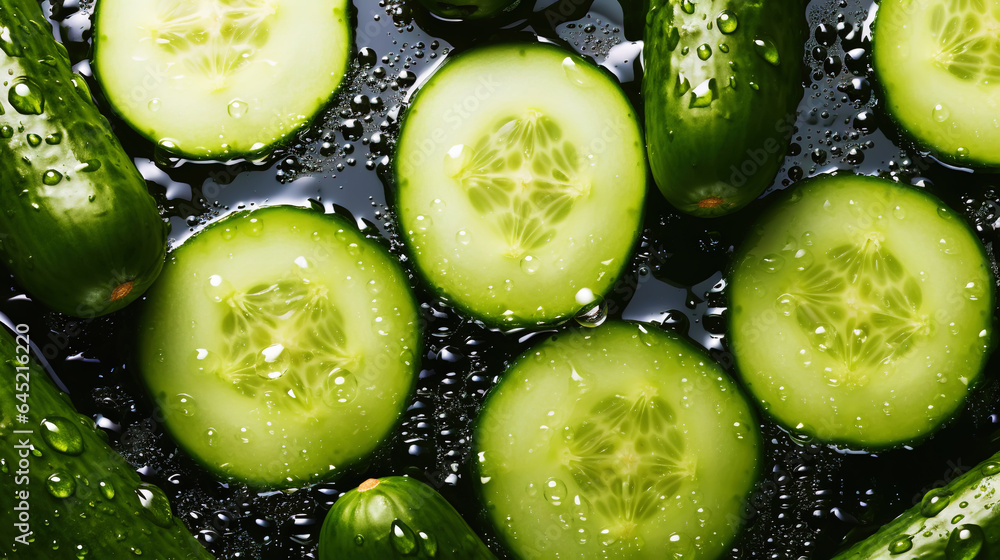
60,486
107,490
340,387
25,96
934,501
237,108
155,505
184,403
901,545
940,113
765,49
593,314
990,469
402,537
555,491
576,74
727,22
51,177
62,435
273,362
154,104
428,543
529,265
704,94
965,543
705,51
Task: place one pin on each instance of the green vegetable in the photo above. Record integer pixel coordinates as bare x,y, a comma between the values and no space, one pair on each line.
960,521
281,346
219,79
861,311
521,183
67,494
938,62
721,88
78,229
397,517
622,441
470,9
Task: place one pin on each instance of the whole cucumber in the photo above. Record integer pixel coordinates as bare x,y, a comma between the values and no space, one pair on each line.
959,521
78,228
721,88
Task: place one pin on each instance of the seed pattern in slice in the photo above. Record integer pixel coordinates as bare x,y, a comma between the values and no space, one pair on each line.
214,39
524,176
968,34
860,306
628,456
287,339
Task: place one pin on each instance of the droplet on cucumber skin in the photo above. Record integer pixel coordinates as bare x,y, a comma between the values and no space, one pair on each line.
107,490
62,435
6,131
705,51
765,49
60,486
934,502
594,314
688,7
26,97
402,537
574,72
51,177
703,95
34,140
428,543
901,545
990,469
155,505
359,540
727,22
965,543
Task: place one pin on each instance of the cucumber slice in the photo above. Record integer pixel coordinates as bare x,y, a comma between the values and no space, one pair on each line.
939,65
280,345
217,79
521,182
861,311
616,442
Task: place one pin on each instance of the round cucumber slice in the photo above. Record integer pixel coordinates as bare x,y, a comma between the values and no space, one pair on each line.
939,65
861,311
280,345
217,79
521,182
616,442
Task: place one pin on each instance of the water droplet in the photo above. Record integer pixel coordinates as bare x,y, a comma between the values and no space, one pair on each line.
60,486
593,314
155,505
26,96
682,86
555,491
184,403
785,304
89,166
254,227
529,265
462,237
34,140
940,113
705,51
803,259
54,139
273,362
574,72
423,223
688,7
704,94
51,177
340,387
727,22
359,540
237,108
62,435
934,501
772,262
6,131
428,543
765,49
107,490
901,545
990,469
402,537
965,543
154,104
457,159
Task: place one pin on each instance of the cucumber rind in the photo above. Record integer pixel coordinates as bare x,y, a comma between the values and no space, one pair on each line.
751,326
343,364
207,138
536,304
542,537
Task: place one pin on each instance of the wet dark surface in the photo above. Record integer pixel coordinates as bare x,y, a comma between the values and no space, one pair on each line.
810,499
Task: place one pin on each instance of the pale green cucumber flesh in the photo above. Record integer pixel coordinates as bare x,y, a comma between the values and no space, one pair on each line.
861,311
938,62
215,80
616,442
521,182
280,346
